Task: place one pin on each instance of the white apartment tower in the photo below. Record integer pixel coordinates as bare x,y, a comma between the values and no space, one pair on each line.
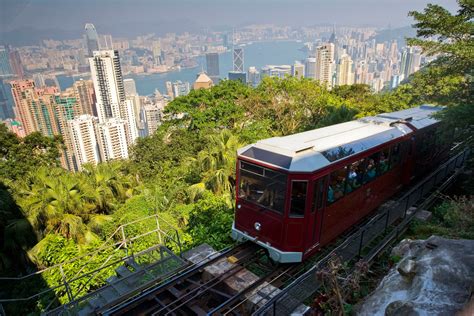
82,131
152,114
325,64
112,140
117,116
344,73
108,83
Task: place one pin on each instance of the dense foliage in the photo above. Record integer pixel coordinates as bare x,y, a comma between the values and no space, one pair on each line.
185,172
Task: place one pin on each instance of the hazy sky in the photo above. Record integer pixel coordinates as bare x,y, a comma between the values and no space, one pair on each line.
132,17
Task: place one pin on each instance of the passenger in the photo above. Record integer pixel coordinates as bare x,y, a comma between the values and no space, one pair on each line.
353,179
371,172
339,187
330,196
383,165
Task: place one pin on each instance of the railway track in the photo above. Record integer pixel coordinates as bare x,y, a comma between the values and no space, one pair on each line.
198,292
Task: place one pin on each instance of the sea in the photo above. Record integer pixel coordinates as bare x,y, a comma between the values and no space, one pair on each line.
257,54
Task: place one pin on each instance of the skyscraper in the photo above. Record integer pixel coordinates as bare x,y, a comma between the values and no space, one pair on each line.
82,131
85,95
108,83
5,109
15,64
152,115
23,92
238,60
180,88
325,64
212,66
236,75
253,77
5,69
91,38
112,105
344,73
112,139
130,87
310,68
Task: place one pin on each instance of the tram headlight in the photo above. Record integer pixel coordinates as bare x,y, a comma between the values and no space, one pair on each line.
257,226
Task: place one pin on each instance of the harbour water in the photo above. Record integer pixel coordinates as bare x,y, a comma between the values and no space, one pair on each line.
257,54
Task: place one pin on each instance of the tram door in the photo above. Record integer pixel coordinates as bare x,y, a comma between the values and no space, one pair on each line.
316,212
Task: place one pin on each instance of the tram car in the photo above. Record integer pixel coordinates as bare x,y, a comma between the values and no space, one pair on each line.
299,192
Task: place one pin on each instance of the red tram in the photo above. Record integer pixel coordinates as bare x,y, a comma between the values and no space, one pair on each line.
297,193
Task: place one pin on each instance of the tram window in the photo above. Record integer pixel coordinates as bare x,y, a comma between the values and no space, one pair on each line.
384,161
267,189
318,191
337,184
371,168
298,198
355,175
396,156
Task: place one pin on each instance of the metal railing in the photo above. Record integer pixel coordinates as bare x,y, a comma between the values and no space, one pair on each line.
381,225
67,282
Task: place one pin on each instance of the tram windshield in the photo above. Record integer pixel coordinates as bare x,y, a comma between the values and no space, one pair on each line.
262,186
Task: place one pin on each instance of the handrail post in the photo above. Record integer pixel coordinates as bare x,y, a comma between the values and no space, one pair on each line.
124,240
66,284
158,229
179,243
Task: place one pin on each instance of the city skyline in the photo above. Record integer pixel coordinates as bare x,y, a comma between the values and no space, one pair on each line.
144,16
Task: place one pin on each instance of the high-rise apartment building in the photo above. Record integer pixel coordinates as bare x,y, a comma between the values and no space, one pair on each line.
130,87
82,131
238,60
85,95
108,83
24,93
91,39
129,118
325,64
5,109
152,114
15,64
5,69
344,73
212,66
112,139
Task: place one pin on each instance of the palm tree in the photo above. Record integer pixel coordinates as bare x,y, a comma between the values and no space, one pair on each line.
107,185
217,164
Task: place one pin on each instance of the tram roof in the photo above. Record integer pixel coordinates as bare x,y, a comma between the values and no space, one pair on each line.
318,148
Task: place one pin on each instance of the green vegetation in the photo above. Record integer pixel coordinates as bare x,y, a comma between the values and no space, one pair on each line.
185,172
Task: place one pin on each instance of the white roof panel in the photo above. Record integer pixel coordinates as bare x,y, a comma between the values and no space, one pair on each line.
315,149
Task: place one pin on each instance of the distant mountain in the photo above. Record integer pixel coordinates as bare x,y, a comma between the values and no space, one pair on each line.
399,34
31,36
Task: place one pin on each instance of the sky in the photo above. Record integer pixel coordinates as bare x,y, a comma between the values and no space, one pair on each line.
65,18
